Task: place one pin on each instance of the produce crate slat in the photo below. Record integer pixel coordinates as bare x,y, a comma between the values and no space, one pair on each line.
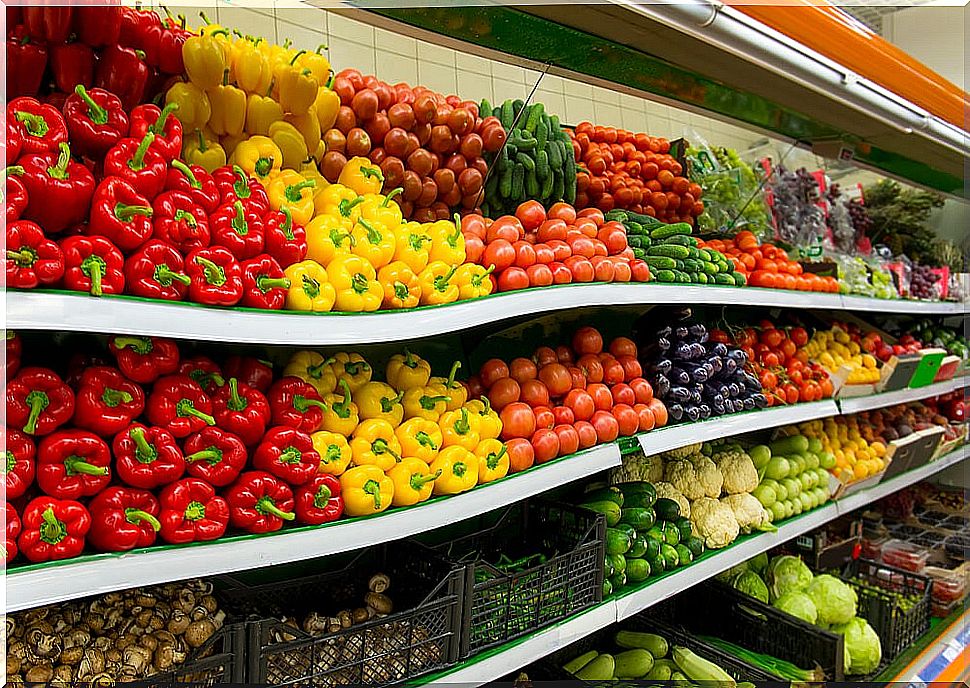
875,401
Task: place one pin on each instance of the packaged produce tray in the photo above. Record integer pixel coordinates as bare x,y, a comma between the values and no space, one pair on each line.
564,575
299,632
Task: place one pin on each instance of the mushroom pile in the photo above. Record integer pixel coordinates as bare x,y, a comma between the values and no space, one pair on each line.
118,637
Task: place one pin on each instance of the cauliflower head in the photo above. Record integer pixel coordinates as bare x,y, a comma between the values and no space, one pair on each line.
638,467
683,476
708,475
738,471
668,491
714,521
682,452
748,511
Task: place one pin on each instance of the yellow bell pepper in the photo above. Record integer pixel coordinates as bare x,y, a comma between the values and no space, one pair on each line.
206,153
277,54
309,127
194,108
356,283
228,108
406,370
489,423
250,66
362,175
447,242
339,201
366,490
230,142
400,284
436,284
419,438
493,460
424,402
259,157
208,28
317,156
310,170
375,444
379,400
261,113
383,209
327,105
313,368
341,415
298,87
473,281
373,242
327,236
412,482
459,429
290,142
206,58
334,451
309,289
353,368
290,190
456,392
411,246
459,471
317,63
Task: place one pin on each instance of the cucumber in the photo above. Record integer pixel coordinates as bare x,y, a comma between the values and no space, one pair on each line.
711,268
666,509
703,278
508,115
542,132
665,231
638,494
517,105
638,517
617,562
617,541
485,106
639,547
612,494
558,185
555,153
635,663
531,183
637,570
669,250
609,509
547,185
542,164
505,185
577,663
534,117
739,279
518,182
683,278
664,275
728,280
628,529
651,642
599,669
659,262
705,254
526,161
682,240
795,444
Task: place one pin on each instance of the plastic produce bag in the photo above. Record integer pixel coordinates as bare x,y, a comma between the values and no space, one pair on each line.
794,201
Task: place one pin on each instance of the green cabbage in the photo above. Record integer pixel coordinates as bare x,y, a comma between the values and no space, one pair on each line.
785,574
750,583
834,600
862,647
730,574
799,605
759,563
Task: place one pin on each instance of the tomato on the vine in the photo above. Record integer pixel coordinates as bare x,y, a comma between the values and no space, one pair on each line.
768,379
791,393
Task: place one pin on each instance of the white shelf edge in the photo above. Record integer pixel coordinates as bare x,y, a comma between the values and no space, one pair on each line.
68,581
901,396
82,313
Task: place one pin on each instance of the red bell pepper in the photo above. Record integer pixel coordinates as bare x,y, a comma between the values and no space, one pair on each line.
296,403
15,193
123,518
14,144
13,528
259,503
136,162
242,410
59,191
98,25
235,185
216,277
288,454
178,404
15,347
19,467
33,260
106,402
166,128
180,221
319,501
96,121
81,361
155,271
194,181
250,370
26,63
215,455
191,512
38,401
203,370
41,127
284,240
147,457
93,264
170,48
123,72
121,214
145,359
48,22
264,284
73,464
53,529
72,65
239,228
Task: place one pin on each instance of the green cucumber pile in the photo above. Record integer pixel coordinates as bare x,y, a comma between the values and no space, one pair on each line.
673,254
536,163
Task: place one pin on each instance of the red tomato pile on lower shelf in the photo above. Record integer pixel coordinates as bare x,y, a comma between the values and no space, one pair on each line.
568,398
766,265
536,248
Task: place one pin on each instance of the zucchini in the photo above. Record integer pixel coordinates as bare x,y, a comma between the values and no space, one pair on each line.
577,663
635,663
639,517
669,250
661,672
607,507
638,549
599,669
651,642
627,528
659,262
666,509
698,669
638,494
665,231
612,494
637,570
617,541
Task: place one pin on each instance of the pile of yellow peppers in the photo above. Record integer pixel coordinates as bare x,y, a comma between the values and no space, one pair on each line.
397,443
243,89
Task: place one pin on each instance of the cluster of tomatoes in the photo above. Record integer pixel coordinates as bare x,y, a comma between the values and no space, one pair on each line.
635,172
766,265
571,397
536,248
777,358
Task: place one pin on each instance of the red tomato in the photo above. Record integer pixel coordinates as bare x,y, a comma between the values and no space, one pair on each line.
613,237
595,214
564,414
544,254
645,417
475,387
568,439
474,249
562,211
545,443
513,278
602,399
587,340
586,227
642,389
474,225
581,269
560,249
539,275
560,273
525,254
623,346
603,270
522,369
592,367
581,403
631,367
531,214
623,394
506,227
521,454
503,393
581,246
534,393
640,271
556,377
552,229
606,426
586,432
564,355
799,336
627,419
518,420
499,253
579,379
659,411
622,272
772,337
544,417
612,370
545,355
492,371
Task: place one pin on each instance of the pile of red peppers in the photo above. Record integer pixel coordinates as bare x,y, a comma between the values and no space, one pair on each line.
139,444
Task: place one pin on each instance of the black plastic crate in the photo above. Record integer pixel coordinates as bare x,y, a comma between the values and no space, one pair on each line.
291,642
896,625
502,606
220,660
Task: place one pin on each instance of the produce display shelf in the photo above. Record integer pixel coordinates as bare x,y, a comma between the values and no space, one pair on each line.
941,655
65,311
40,584
902,396
499,662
